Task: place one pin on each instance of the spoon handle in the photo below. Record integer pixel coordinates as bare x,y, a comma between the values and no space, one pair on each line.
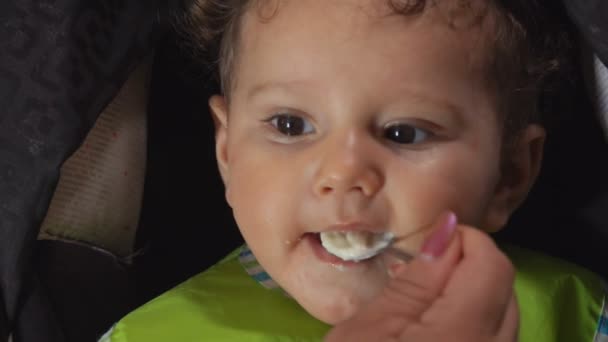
398,253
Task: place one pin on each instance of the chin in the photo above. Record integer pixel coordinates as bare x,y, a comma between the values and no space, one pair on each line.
333,309
331,293
333,314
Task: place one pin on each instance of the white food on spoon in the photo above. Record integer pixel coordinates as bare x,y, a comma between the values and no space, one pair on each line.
355,245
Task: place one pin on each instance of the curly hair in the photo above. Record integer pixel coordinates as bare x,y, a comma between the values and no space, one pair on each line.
530,49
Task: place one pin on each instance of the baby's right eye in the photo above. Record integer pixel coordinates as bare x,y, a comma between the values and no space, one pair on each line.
291,125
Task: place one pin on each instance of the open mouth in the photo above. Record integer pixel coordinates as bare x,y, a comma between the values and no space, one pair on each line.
348,248
355,245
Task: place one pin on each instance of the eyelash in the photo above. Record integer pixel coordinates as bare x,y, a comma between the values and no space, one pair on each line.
416,135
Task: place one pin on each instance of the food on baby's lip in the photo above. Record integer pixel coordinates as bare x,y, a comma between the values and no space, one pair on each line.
355,245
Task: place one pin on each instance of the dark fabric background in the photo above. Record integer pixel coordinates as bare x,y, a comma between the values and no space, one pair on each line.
591,17
185,225
61,62
566,213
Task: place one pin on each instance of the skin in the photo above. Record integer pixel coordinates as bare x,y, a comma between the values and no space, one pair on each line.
434,299
348,73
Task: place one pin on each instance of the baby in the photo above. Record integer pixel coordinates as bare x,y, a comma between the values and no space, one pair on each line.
370,116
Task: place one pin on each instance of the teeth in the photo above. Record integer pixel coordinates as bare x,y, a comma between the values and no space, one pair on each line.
355,246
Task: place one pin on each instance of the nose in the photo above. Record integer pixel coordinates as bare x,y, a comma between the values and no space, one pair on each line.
349,166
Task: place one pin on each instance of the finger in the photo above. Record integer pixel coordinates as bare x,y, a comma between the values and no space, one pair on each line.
509,329
417,285
409,293
481,287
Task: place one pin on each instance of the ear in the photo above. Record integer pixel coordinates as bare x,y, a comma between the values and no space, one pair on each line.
521,167
219,112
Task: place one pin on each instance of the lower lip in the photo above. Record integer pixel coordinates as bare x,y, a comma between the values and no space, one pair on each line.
314,240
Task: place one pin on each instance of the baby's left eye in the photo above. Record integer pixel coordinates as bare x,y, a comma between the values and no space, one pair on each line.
401,133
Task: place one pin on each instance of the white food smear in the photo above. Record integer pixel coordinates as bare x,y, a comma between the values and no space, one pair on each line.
355,245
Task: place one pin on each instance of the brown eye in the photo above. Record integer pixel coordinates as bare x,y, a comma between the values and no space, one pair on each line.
291,125
405,134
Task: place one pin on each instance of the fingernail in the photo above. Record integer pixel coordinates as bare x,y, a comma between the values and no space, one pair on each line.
438,242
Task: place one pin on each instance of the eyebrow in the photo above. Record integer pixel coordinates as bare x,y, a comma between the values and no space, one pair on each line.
271,86
445,105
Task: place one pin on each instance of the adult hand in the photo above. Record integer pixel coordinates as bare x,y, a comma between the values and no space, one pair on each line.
460,288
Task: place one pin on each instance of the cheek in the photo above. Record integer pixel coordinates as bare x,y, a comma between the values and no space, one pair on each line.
250,196
260,196
460,179
471,187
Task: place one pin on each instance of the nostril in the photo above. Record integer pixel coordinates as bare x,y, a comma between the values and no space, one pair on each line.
326,190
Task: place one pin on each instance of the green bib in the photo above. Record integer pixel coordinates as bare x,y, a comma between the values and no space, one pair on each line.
557,301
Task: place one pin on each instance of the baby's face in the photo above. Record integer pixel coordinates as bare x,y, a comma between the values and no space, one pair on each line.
345,118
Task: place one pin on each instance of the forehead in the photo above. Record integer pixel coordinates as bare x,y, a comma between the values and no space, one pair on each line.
317,39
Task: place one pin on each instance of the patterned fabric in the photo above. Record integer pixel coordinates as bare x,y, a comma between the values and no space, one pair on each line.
223,303
602,327
254,269
107,336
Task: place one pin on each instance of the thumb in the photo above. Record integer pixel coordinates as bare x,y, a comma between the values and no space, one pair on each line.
415,286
